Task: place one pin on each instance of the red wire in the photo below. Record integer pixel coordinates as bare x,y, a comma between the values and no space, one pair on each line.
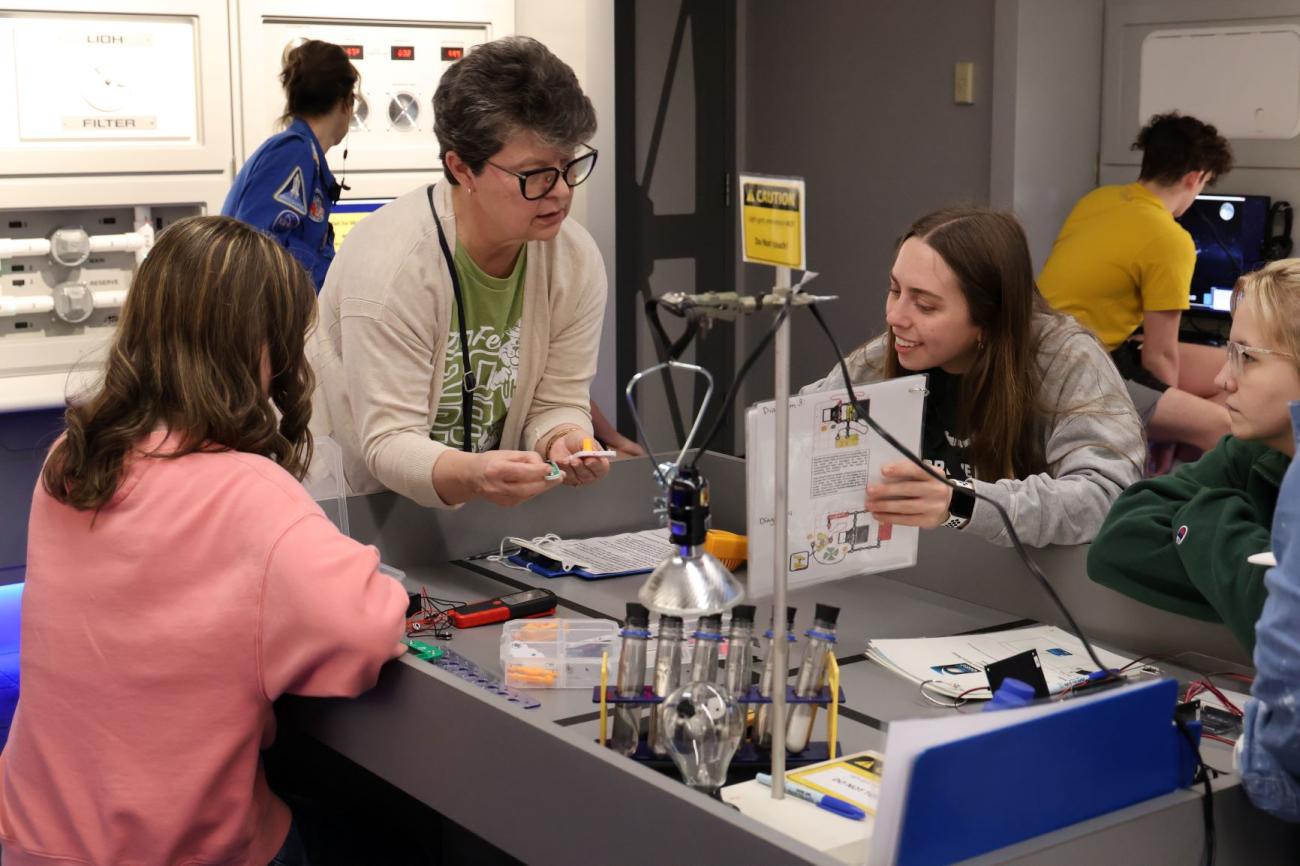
1195,687
1232,676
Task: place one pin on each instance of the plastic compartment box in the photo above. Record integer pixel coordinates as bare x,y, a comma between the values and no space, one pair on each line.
558,653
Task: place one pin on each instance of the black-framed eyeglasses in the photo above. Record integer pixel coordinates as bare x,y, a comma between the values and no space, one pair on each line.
537,182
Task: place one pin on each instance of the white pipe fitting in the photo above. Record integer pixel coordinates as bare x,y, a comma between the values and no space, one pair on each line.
109,300
26,305
11,248
129,242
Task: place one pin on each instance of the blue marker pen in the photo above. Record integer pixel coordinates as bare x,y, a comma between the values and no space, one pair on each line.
843,808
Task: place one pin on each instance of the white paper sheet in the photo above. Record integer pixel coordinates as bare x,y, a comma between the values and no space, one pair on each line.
954,665
612,554
833,456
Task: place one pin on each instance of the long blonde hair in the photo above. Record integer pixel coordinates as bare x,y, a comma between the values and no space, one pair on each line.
211,296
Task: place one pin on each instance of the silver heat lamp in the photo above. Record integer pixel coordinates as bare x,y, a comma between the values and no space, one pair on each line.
691,582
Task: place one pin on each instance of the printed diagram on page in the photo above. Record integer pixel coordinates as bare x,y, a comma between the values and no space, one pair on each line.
833,454
840,445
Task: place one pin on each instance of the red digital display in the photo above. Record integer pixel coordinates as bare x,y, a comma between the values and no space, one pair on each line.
402,52
452,52
354,52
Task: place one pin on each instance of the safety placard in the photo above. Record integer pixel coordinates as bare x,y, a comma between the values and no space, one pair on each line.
772,217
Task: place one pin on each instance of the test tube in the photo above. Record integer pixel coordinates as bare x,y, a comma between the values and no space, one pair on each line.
739,656
668,671
631,679
821,637
708,637
763,722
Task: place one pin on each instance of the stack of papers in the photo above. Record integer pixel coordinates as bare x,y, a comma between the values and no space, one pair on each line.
954,665
608,556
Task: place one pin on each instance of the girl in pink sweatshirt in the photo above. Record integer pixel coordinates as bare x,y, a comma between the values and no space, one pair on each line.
179,579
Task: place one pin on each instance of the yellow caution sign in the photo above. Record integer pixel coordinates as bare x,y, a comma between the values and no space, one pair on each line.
772,219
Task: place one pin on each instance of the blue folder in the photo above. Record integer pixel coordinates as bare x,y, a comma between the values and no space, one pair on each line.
993,789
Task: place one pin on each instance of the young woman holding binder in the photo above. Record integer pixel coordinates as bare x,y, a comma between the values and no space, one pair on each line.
1024,406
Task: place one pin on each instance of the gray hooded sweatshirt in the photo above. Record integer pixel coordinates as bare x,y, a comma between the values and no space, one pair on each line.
1093,441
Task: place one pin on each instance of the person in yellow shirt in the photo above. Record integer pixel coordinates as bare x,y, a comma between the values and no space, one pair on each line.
1122,262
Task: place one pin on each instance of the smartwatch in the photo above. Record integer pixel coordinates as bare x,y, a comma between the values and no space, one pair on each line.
962,505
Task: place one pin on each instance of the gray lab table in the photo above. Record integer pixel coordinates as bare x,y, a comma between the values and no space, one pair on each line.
538,786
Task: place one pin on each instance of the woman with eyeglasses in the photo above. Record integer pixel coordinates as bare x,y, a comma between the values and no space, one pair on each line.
459,326
1181,542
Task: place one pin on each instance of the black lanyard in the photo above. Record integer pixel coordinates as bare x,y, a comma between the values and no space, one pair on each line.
467,383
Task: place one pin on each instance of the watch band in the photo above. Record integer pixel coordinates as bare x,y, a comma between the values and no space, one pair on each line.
962,506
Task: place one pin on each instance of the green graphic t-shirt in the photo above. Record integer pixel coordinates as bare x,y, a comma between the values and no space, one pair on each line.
493,308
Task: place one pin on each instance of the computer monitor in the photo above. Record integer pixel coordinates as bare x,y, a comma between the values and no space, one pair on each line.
348,212
1229,234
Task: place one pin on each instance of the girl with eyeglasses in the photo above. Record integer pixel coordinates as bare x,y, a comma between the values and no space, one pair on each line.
460,323
1181,542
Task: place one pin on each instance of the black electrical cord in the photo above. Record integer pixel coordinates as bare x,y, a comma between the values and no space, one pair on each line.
671,350
1203,775
734,388
667,351
933,473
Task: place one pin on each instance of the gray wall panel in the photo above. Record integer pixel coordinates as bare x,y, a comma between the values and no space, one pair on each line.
857,98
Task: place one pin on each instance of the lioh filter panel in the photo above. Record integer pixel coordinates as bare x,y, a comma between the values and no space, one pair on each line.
103,78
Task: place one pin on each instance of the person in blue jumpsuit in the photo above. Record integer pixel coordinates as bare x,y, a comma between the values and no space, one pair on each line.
286,188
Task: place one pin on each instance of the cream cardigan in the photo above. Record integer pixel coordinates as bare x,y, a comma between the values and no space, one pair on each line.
378,347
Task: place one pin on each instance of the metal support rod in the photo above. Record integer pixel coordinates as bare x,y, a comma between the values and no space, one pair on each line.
780,646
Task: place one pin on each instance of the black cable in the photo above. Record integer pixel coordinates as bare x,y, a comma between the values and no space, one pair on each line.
734,388
672,349
664,349
933,473
1207,801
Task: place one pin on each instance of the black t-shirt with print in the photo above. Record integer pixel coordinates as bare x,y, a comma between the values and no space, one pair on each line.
938,443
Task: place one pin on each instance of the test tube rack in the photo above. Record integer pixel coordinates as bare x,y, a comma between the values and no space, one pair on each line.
822,697
748,755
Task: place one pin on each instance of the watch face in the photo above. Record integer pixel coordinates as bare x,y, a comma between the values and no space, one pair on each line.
963,503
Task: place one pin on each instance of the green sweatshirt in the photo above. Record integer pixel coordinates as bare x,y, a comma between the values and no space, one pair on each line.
1180,542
